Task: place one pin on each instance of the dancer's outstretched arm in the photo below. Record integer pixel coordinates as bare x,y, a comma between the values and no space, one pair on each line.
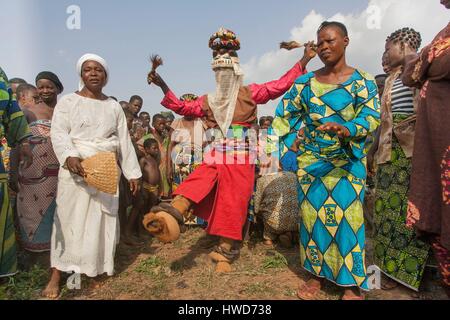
263,93
171,102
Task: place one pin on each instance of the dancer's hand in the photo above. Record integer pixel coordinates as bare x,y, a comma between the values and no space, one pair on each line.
156,79
310,50
310,53
74,166
337,128
135,186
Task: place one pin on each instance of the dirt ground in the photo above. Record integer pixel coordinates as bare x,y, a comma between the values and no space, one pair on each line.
182,270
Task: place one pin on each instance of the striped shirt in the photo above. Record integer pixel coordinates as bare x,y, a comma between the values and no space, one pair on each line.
402,98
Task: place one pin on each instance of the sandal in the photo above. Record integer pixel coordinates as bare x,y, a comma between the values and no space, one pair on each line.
164,222
228,256
308,292
353,296
223,258
361,297
166,207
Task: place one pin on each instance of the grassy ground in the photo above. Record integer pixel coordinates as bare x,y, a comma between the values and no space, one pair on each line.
182,270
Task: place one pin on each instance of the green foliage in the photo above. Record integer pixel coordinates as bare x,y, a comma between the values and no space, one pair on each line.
274,260
152,266
25,285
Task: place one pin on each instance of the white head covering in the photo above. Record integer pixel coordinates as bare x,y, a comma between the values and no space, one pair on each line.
229,78
91,57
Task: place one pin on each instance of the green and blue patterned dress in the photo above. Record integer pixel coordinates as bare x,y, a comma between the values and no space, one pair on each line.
332,171
398,252
14,127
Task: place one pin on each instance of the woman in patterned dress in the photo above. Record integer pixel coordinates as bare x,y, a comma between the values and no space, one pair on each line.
397,252
339,106
429,196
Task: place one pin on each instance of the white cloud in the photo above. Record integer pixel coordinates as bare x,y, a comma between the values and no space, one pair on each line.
366,44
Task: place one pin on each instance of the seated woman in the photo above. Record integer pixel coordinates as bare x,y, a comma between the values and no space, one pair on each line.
276,201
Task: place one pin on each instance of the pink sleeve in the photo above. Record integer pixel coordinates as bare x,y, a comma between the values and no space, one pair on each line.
183,108
263,93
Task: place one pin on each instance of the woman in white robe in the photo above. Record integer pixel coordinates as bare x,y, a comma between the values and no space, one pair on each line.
86,226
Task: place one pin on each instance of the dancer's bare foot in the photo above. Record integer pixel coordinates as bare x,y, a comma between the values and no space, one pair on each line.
52,291
352,294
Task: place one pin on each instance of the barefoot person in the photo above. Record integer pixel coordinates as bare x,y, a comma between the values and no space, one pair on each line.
145,120
14,127
397,252
220,189
125,196
135,105
85,123
36,199
429,195
150,190
339,106
170,118
14,83
160,134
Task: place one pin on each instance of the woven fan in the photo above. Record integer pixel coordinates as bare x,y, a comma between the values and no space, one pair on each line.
101,172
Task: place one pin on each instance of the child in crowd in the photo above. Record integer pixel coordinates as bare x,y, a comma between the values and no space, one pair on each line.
150,190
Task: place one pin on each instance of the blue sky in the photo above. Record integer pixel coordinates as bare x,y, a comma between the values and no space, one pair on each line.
125,33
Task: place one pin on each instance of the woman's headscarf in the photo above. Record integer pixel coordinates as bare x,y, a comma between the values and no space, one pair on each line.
47,75
91,57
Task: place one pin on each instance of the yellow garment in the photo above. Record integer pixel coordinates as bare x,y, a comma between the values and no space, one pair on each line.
151,188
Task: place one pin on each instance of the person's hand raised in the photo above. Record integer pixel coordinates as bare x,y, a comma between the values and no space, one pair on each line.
310,50
156,79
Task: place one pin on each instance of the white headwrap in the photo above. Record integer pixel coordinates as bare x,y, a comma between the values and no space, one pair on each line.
229,78
91,57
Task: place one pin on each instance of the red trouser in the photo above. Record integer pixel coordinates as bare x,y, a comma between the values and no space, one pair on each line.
221,191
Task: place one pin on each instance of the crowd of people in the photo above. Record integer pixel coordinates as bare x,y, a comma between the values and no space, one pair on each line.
302,174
